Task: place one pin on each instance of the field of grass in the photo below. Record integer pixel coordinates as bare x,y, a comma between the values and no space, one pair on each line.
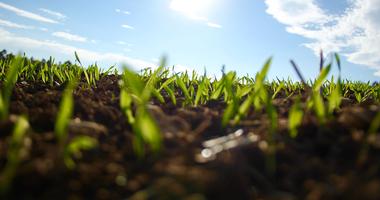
74,132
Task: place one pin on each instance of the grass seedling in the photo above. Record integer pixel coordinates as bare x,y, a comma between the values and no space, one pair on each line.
181,84
135,92
321,63
299,74
165,86
126,101
8,85
78,143
170,91
74,148
217,88
337,59
280,87
335,98
77,58
295,118
65,113
257,96
230,98
14,154
202,91
317,100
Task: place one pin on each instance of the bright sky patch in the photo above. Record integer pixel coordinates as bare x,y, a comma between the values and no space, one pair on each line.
200,34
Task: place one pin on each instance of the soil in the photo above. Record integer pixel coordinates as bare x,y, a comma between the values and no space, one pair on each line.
323,162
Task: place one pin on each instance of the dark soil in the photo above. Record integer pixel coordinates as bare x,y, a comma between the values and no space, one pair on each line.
323,162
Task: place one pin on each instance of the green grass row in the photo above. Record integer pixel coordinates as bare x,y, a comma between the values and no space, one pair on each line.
241,95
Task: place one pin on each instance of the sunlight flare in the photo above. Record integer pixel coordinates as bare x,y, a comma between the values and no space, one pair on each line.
195,9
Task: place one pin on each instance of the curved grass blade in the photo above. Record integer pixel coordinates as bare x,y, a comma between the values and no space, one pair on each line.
77,58
74,148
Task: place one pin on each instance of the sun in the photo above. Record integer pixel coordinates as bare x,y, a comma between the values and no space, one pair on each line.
196,9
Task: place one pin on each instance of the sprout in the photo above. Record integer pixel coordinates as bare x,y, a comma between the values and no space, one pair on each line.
65,113
203,90
295,118
335,97
73,149
8,85
181,84
317,99
14,154
258,94
133,90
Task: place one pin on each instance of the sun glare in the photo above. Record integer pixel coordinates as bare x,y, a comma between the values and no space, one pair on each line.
196,9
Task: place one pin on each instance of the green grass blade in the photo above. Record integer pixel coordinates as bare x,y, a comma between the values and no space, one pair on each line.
126,105
132,82
77,58
171,95
148,129
65,112
184,89
321,78
74,148
8,85
337,58
200,91
158,95
229,112
319,108
335,98
295,118
13,157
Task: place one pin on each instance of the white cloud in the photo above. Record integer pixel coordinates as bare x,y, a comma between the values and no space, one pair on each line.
122,11
14,25
214,25
195,10
10,24
128,26
355,33
124,43
127,50
69,36
55,14
156,60
9,40
121,42
296,12
26,14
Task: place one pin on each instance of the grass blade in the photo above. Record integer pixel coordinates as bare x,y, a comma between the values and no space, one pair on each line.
295,118
9,83
65,112
77,58
13,157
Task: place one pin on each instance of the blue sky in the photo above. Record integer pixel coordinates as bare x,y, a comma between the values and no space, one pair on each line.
199,34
